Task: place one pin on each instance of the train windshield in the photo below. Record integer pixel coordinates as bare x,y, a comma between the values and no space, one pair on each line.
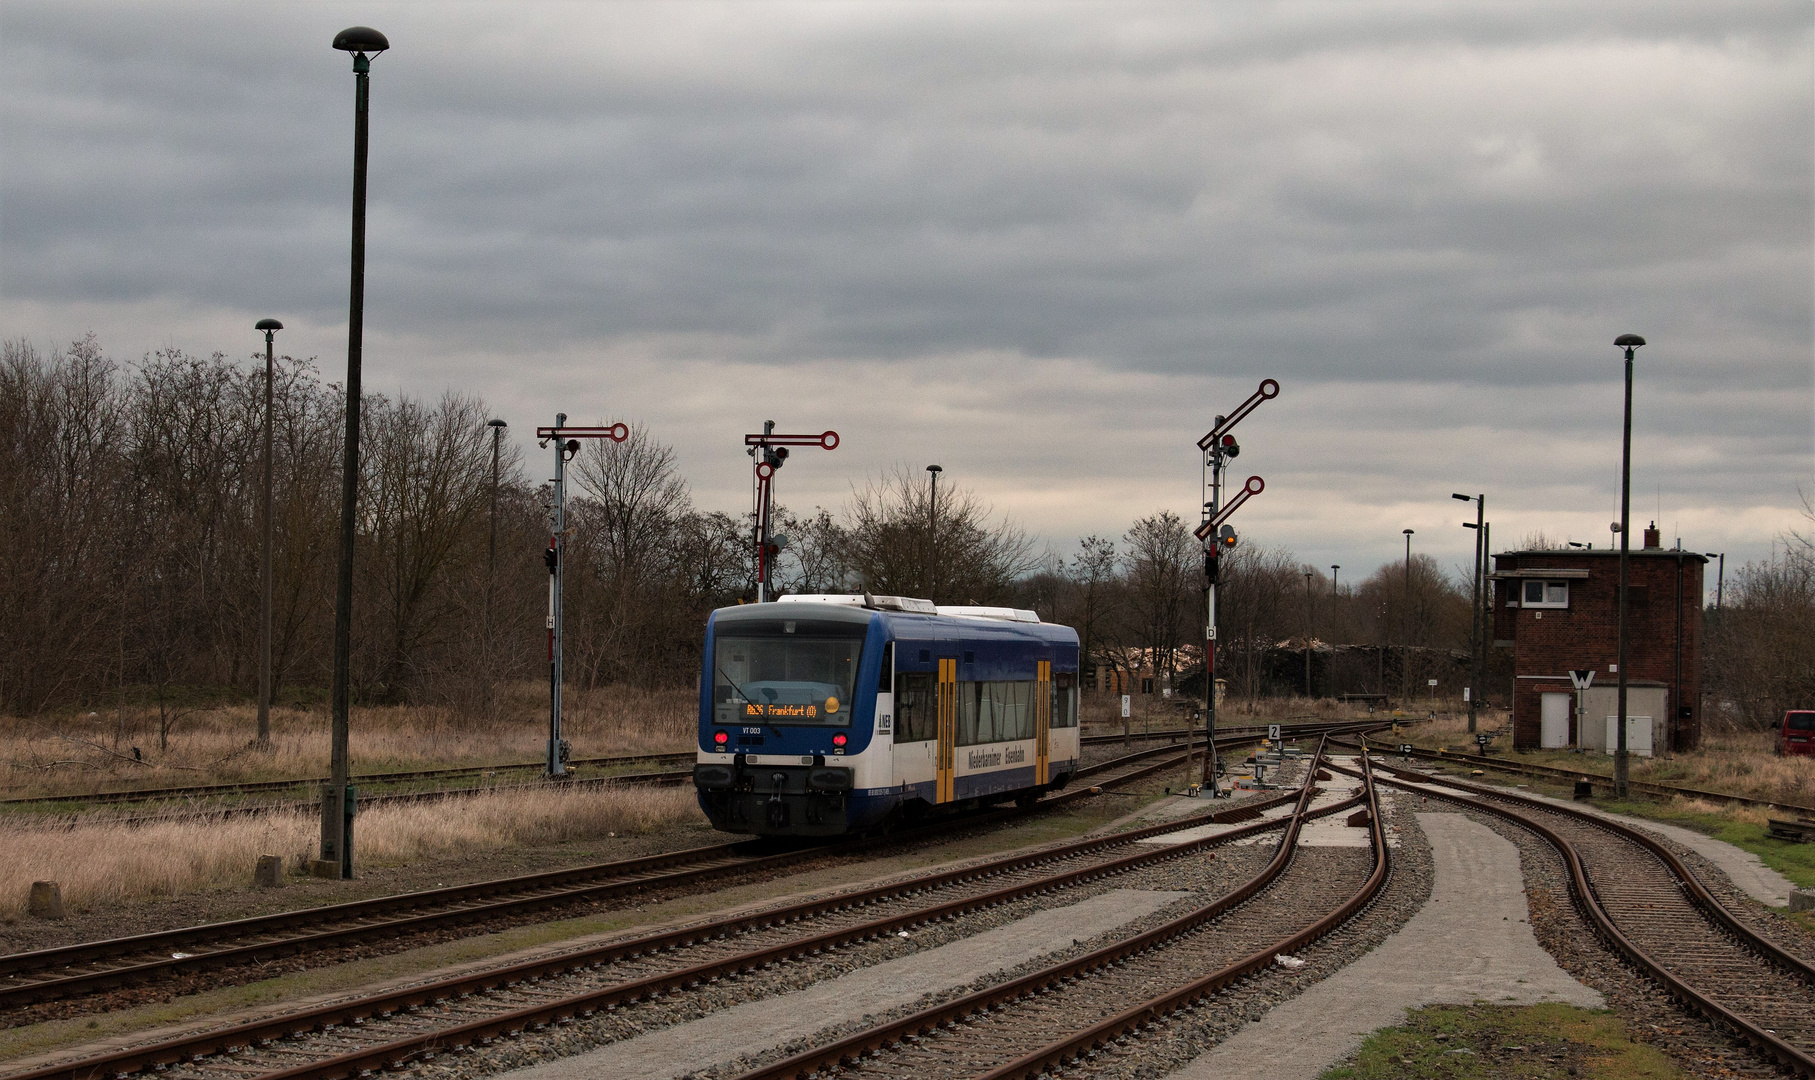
789,672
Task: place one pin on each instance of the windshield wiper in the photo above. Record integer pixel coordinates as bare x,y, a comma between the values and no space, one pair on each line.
746,696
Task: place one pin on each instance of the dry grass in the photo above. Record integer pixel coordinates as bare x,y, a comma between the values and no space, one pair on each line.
99,863
91,751
1730,762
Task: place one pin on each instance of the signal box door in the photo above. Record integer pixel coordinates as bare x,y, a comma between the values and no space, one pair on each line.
947,751
1042,722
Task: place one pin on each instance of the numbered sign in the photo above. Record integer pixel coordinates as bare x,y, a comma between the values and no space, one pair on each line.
1273,732
1465,691
1127,706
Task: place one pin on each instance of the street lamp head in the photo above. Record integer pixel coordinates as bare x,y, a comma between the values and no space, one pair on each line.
1464,498
1629,342
361,39
268,325
1408,532
496,424
934,469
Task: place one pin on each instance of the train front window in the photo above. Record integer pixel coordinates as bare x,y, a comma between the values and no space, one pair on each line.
794,672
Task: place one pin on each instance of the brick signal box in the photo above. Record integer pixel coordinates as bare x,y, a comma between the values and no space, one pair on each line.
1557,610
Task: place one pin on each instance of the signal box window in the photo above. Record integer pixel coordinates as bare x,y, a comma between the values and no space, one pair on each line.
916,711
1544,594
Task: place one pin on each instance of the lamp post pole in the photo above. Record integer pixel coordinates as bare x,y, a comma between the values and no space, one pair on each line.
1405,625
1476,623
1308,633
932,524
1630,343
491,565
336,803
1720,583
270,327
491,574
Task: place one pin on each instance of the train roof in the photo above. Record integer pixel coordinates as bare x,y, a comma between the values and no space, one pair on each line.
907,615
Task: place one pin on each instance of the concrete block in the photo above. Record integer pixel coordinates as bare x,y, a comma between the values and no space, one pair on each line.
46,901
269,873
325,868
1802,899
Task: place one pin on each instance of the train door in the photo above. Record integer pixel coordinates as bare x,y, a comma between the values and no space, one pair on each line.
947,752
1042,722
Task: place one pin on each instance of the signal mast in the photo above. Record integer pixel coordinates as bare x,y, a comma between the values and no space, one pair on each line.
770,450
1217,536
567,444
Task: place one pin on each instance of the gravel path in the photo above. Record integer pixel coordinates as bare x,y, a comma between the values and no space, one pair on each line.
1470,942
1699,1046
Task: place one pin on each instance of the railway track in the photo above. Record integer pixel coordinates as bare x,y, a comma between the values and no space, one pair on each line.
92,967
211,796
1650,908
366,802
1041,1022
261,787
1600,783
392,1028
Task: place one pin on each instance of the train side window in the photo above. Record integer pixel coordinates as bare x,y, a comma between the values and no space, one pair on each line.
1019,721
1064,703
970,704
886,677
916,710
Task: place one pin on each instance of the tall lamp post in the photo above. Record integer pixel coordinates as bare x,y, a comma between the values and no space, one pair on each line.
1405,624
1308,576
337,800
491,566
932,524
1720,582
1475,620
491,571
270,327
1630,343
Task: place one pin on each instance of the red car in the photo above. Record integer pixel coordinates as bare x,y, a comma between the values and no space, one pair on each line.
1798,734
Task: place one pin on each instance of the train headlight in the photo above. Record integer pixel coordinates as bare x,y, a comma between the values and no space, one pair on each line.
721,737
831,705
840,739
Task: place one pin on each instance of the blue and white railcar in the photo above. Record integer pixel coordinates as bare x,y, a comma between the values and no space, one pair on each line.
827,714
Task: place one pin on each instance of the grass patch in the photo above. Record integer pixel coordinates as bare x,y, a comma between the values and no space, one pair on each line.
1552,1040
211,743
100,862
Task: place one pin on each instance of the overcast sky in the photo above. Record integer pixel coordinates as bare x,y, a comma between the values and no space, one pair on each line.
1040,244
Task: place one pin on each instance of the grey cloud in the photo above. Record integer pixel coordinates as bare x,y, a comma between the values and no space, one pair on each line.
1384,196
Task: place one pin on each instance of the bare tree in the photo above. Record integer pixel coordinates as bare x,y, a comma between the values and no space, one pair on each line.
1158,562
1761,656
978,559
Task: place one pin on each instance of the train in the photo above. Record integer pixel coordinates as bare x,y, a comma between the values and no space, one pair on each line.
830,714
